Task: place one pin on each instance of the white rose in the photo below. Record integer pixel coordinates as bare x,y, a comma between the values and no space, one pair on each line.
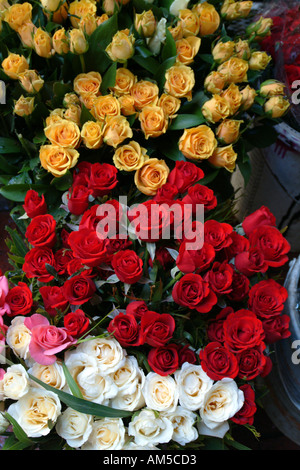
107,434
159,37
148,428
131,401
94,385
178,5
107,351
34,411
221,403
52,374
160,392
74,427
193,383
130,445
15,382
183,421
128,375
18,337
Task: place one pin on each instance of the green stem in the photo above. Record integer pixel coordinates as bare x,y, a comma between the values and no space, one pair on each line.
176,278
82,63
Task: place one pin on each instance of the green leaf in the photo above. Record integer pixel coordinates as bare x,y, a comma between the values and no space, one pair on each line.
169,49
11,443
18,431
98,41
147,63
17,192
109,79
8,145
63,183
20,248
84,406
161,72
184,121
75,390
6,167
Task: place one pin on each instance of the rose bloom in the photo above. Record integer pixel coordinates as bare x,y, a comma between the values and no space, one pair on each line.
53,299
160,392
31,81
235,70
170,104
131,400
41,231
64,133
242,49
107,434
125,80
80,8
228,131
183,421
18,14
19,299
242,331
130,157
121,47
74,427
197,143
209,18
116,130
222,51
34,411
147,428
127,105
218,362
58,160
193,292
259,60
262,216
42,43
233,97
87,83
128,266
184,175
218,234
60,41
34,204
273,245
277,106
35,263
193,384
151,176
267,298
78,199
248,96
246,414
73,113
180,81
271,88
125,329
24,106
215,82
224,157
127,376
164,360
79,289
157,328
14,64
216,109
145,93
189,21
187,48
18,338
190,261
104,106
15,383
153,121
26,33
108,352
52,374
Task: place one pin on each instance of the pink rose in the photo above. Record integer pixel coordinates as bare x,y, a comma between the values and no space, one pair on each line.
4,288
46,340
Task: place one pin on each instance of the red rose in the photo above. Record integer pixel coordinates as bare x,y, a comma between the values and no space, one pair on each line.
266,298
103,178
157,328
217,234
242,330
215,329
150,220
164,360
220,278
251,362
162,255
251,262
272,244
126,330
186,354
246,414
276,328
40,232
78,199
35,264
137,308
62,259
200,194
262,216
240,287
239,245
189,261
64,236
79,289
53,299
184,175
34,204
76,323
128,266
218,362
166,193
19,299
292,72
88,247
193,291
97,213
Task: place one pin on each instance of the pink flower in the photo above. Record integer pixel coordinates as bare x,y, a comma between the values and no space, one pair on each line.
4,288
46,340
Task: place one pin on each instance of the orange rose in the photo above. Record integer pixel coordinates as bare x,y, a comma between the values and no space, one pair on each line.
58,160
235,69
224,157
63,133
209,18
87,83
127,105
14,64
24,106
228,131
153,121
145,93
106,105
190,22
125,80
43,43
151,176
60,41
18,14
130,157
198,143
116,130
216,109
233,97
92,134
170,104
180,81
187,48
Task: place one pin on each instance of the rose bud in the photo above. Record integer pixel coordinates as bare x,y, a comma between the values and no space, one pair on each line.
121,47
259,60
34,204
31,81
223,51
228,131
277,106
43,43
145,23
215,82
60,41
78,42
24,106
78,199
271,88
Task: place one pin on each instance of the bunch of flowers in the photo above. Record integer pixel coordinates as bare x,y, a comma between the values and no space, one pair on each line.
137,314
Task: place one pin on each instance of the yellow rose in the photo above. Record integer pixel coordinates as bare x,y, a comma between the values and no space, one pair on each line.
43,43
125,80
73,113
145,23
180,81
58,160
60,41
59,16
224,157
18,14
248,97
228,131
209,18
187,48
26,33
101,19
170,104
78,42
245,8
235,69
116,130
64,133
198,143
130,157
233,97
271,88
104,106
277,106
190,22
127,105
260,28
153,121
14,64
216,109
87,83
176,31
80,8
92,135
145,93
24,106
55,116
50,5
222,51
215,82
71,99
88,24
151,176
31,81
88,100
242,49
259,60
121,47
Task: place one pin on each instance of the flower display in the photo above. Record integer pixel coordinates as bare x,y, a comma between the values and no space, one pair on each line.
138,312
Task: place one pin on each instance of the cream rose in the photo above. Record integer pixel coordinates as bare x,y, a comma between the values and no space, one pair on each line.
34,410
160,392
183,421
148,428
193,383
108,352
74,427
107,434
52,375
18,338
15,383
